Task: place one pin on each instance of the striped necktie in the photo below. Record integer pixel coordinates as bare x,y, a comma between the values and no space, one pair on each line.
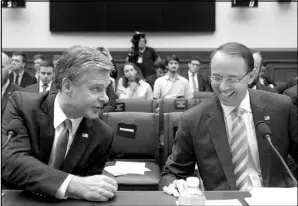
195,88
239,149
61,146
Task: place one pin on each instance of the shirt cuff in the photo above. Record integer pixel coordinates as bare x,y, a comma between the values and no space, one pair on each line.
60,194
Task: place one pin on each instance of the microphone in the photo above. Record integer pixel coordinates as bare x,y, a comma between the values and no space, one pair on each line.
13,129
266,134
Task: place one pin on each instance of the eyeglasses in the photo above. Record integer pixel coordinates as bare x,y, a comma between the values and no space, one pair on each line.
230,80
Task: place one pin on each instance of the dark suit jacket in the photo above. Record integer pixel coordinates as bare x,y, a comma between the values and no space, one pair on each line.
9,90
34,88
27,79
151,80
203,83
292,93
281,87
25,157
202,138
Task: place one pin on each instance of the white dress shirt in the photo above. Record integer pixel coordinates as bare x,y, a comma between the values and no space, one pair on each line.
41,86
190,81
143,91
20,77
4,87
59,118
254,169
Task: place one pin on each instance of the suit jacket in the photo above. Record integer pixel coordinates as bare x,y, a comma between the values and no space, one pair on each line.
202,138
262,87
27,79
151,80
292,93
25,156
203,83
9,90
34,88
281,87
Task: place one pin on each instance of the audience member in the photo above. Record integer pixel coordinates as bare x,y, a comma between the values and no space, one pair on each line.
45,83
7,87
54,126
37,59
256,81
281,87
197,81
55,59
220,135
160,70
132,84
172,85
264,79
19,76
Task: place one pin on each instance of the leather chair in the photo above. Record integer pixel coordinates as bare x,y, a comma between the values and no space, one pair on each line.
135,105
138,146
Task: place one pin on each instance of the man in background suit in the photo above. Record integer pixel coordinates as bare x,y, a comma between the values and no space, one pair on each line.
197,81
37,59
229,151
19,76
7,87
62,146
45,83
256,84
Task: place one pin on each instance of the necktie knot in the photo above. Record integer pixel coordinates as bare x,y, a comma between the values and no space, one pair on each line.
67,124
237,112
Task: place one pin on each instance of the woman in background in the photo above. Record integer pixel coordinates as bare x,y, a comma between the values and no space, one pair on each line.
132,84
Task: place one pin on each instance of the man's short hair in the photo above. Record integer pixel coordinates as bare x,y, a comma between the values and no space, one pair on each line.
171,58
78,60
160,65
46,63
20,53
236,49
195,58
39,56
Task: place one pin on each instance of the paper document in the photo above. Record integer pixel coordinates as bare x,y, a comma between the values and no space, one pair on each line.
231,202
123,168
272,196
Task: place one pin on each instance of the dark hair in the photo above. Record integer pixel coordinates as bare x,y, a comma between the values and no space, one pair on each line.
39,56
236,49
160,65
78,60
139,74
20,53
172,57
195,58
46,63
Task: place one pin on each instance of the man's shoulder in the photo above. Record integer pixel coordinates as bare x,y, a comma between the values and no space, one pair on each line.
270,98
207,106
30,99
183,79
102,128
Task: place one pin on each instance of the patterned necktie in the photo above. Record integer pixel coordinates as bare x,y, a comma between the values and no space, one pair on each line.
44,87
239,149
195,89
61,146
17,80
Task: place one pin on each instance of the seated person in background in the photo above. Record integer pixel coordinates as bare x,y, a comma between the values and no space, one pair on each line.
132,85
256,84
219,134
265,80
18,75
172,85
197,81
160,70
55,59
7,87
292,93
37,59
62,146
45,83
281,87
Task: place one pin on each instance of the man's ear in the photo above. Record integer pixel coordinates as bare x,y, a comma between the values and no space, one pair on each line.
67,86
252,75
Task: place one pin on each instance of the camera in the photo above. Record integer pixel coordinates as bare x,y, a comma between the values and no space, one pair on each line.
134,53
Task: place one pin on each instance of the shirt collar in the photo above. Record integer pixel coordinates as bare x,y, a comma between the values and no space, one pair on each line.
20,74
169,78
190,73
41,83
245,104
59,117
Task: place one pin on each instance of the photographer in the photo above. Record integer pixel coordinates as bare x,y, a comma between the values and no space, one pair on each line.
142,55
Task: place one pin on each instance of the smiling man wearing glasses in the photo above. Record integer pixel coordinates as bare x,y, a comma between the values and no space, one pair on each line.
219,134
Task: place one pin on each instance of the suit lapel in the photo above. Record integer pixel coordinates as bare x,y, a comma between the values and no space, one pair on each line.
45,118
81,140
10,88
259,112
218,134
24,80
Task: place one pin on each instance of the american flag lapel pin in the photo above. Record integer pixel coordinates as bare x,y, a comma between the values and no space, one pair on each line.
267,118
85,135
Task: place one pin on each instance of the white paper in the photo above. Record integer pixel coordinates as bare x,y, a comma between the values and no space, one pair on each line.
272,196
123,168
231,202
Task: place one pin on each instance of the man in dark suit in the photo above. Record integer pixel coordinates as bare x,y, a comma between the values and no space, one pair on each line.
19,76
45,83
197,81
62,146
7,87
161,70
220,136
